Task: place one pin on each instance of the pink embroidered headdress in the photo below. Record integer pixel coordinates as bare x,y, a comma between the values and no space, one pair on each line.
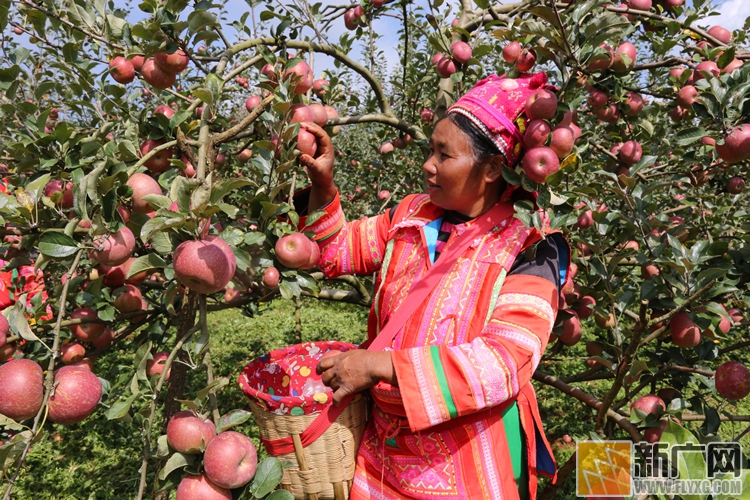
496,106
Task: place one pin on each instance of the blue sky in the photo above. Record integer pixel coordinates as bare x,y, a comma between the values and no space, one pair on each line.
732,16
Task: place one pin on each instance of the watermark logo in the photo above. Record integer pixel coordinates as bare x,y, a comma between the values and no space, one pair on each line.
623,469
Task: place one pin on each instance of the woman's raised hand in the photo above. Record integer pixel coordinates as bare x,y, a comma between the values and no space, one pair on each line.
320,168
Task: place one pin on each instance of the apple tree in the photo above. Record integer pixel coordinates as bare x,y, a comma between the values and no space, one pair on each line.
149,158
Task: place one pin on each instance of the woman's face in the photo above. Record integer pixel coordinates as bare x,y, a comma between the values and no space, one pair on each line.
452,181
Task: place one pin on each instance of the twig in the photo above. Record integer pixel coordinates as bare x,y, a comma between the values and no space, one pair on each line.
231,133
152,410
589,400
203,319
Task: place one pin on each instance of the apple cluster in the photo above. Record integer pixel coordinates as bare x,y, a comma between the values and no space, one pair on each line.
357,17
446,65
229,458
159,71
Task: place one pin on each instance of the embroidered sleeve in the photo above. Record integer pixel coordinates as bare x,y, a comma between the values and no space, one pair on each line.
441,382
355,247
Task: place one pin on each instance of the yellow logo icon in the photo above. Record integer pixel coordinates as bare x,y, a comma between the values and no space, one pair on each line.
604,468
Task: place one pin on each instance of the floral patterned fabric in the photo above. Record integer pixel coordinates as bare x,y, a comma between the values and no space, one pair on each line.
284,381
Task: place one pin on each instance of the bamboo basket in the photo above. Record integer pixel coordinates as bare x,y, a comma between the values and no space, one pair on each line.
324,470
285,397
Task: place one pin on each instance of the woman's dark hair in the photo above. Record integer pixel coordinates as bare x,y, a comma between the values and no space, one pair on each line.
483,147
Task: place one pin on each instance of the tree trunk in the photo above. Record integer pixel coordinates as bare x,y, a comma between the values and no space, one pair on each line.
177,378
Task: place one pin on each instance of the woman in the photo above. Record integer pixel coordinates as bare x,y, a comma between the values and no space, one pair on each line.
455,416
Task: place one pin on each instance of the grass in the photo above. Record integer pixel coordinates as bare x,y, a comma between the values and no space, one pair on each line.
100,458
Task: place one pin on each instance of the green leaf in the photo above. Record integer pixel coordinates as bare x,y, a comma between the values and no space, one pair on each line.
204,95
4,8
35,188
176,461
127,150
179,117
18,322
120,408
146,263
267,477
57,245
199,19
226,186
231,419
690,135
212,387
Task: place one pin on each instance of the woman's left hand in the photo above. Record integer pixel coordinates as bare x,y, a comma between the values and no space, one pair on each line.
355,371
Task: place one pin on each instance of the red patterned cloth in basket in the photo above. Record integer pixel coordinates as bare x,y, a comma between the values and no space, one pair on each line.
284,381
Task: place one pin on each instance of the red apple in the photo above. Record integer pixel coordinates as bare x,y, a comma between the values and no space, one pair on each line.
77,392
116,248
21,389
86,331
301,78
72,352
124,213
200,488
353,18
736,145
386,148
446,67
604,322
678,114
332,113
633,104
571,329
245,156
384,194
56,186
294,250
601,60
708,67
252,102
164,110
204,266
686,96
584,310
160,161
736,315
188,433
105,339
512,51
539,163
585,220
624,59
221,159
270,277
736,185
562,141
137,62
541,105
684,332
537,133
677,72
526,60
735,64
597,99
230,460
653,434
86,363
320,117
461,52
640,4
156,365
319,87
128,298
155,76
721,34
299,113
648,271
121,70
608,114
307,143
648,404
427,115
630,153
176,62
732,380
7,351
